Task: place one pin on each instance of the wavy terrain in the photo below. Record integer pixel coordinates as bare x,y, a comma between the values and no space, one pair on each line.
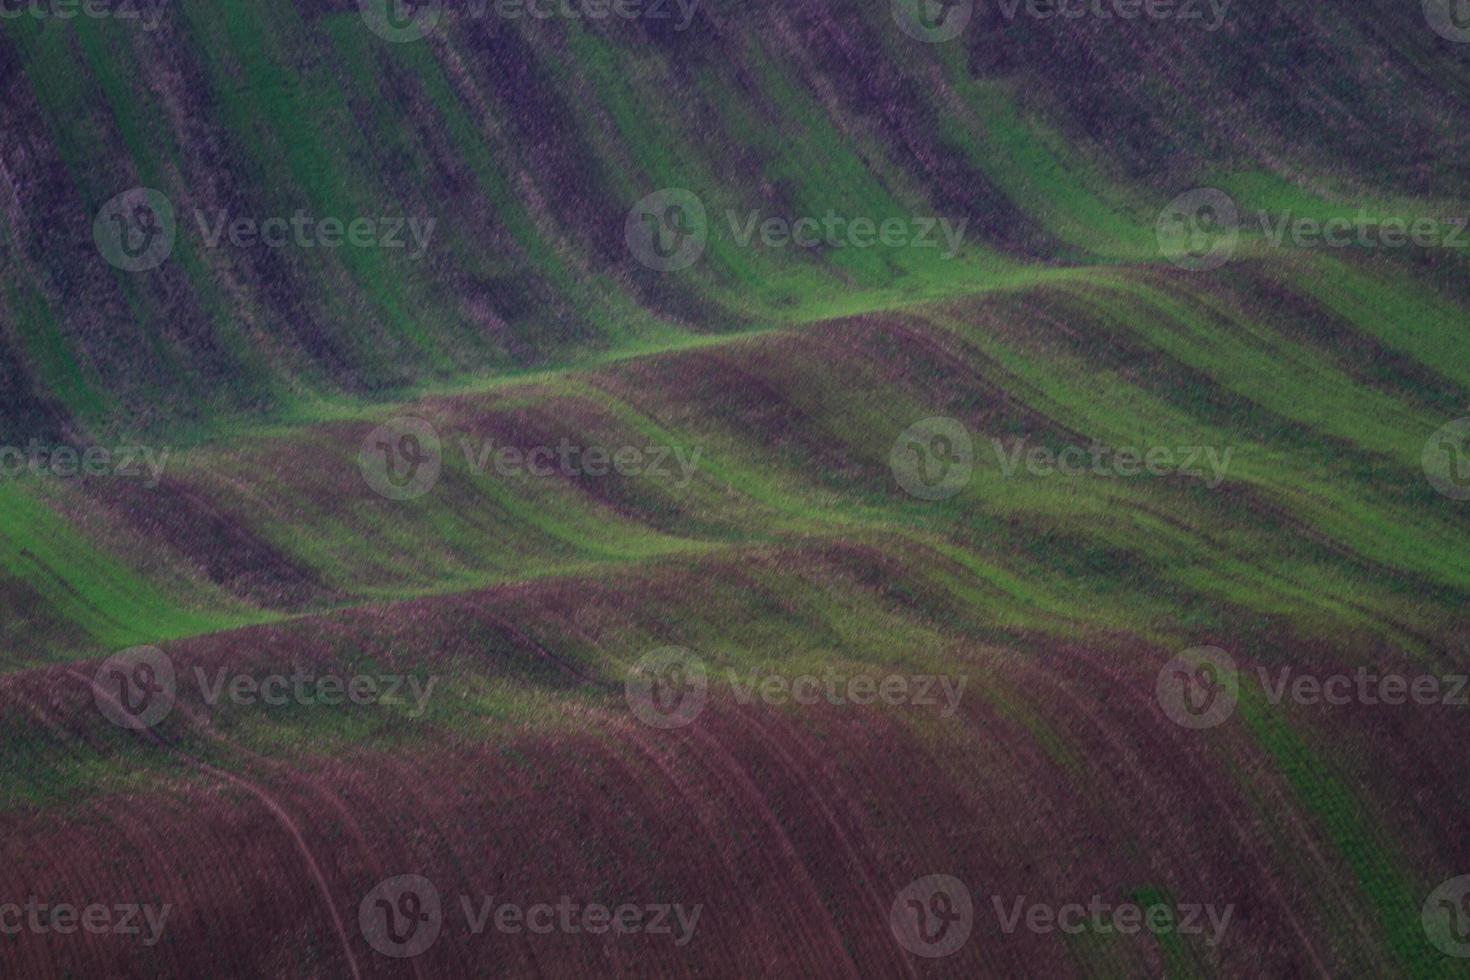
741,252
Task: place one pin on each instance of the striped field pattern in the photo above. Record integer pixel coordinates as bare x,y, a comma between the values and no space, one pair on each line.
488,354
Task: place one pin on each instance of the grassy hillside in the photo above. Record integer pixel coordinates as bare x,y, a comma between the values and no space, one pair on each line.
1228,448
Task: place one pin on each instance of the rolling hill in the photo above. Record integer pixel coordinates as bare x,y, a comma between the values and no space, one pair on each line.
487,356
